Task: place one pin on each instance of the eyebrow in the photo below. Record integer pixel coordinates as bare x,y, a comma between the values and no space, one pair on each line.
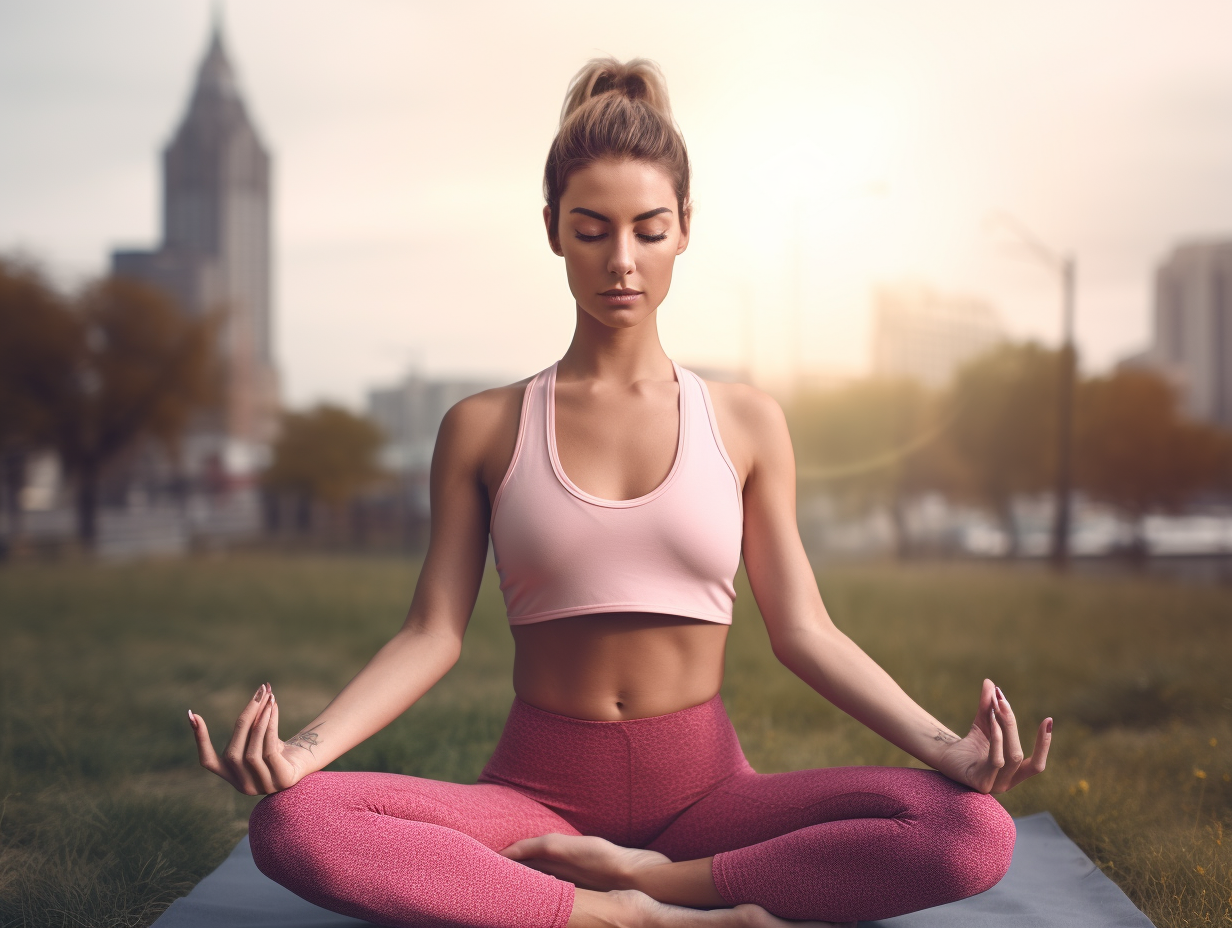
638,218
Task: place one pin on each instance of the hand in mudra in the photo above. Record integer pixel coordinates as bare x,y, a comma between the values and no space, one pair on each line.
990,758
256,760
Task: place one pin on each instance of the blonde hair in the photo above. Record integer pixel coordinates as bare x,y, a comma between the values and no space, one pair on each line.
616,110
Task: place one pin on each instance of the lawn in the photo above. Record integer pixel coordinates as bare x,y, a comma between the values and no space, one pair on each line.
105,817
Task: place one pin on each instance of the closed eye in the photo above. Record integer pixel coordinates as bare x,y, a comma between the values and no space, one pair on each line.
649,239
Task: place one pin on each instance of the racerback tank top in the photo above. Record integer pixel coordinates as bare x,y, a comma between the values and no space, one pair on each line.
561,551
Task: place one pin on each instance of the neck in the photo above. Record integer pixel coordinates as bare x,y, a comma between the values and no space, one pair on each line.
623,355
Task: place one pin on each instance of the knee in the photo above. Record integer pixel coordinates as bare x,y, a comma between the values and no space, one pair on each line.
287,812
285,827
977,844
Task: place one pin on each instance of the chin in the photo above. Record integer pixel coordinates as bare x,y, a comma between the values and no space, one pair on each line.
621,318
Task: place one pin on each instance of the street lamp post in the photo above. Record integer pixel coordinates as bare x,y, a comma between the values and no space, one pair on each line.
1065,420
1066,267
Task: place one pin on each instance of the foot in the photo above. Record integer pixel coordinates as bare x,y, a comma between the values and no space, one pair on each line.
585,861
633,909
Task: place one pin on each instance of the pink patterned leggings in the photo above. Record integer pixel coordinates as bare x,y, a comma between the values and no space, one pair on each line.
840,844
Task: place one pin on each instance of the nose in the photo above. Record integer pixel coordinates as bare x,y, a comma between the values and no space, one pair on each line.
620,261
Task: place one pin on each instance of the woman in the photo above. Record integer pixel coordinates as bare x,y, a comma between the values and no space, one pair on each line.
620,491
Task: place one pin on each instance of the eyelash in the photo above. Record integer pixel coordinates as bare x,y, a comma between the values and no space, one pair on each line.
648,239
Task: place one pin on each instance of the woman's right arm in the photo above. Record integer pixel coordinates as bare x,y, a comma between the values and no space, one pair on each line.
256,760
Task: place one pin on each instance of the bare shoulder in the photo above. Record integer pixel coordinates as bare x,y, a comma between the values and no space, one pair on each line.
486,410
750,421
747,405
480,431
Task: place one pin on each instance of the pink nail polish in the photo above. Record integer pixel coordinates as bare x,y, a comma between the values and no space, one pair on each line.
191,721
1000,695
257,694
1048,726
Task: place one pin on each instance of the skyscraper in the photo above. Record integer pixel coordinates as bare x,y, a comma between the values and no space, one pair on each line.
216,255
1192,342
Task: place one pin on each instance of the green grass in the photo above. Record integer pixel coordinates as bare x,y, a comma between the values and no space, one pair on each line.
105,817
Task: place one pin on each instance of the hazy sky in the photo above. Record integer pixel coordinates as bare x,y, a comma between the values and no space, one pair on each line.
835,146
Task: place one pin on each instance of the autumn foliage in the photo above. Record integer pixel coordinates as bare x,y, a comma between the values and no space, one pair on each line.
324,457
89,374
990,437
1136,452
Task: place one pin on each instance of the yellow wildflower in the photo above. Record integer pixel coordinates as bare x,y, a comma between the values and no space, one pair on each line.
1214,743
1201,870
1200,774
1084,785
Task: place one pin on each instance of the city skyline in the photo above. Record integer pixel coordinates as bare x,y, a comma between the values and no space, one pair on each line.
214,256
405,170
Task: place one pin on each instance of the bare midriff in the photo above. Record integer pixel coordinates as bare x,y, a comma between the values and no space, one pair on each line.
618,665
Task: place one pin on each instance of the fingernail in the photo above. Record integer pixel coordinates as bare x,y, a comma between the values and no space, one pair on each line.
1000,695
272,699
1048,726
257,694
191,721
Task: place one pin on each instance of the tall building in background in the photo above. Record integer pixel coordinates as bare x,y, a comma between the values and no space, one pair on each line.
927,336
1192,343
216,255
410,414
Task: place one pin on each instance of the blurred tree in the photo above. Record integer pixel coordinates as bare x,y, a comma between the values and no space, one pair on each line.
89,377
1004,405
325,456
36,328
1134,450
877,443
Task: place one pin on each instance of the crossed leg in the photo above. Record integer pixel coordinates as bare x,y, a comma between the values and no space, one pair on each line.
406,851
837,844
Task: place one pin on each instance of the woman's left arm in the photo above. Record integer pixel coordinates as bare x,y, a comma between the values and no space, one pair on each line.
988,758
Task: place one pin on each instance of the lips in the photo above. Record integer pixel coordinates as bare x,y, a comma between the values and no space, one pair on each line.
621,297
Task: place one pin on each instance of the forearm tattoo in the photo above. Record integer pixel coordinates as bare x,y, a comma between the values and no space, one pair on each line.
946,737
307,739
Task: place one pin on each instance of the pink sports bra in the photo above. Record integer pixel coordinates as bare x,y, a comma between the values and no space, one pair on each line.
561,552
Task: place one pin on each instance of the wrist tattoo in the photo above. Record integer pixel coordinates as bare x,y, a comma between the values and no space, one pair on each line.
307,739
946,737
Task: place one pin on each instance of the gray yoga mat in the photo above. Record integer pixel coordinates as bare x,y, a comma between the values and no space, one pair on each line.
1051,884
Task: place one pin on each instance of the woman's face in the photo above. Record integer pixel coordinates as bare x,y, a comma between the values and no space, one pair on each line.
619,234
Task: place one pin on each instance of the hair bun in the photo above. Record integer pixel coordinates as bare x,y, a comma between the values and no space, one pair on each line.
616,110
636,79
